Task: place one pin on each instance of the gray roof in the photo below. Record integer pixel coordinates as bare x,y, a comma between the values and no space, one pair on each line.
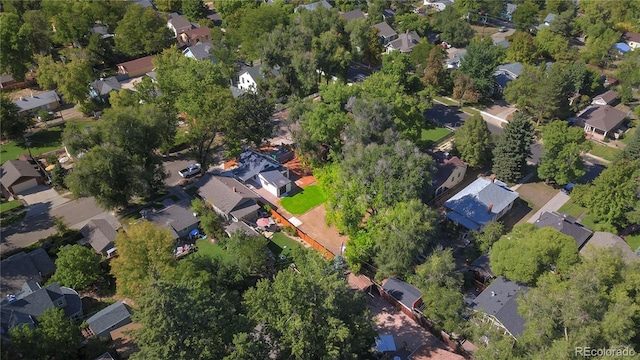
499,301
354,14
602,239
608,97
144,3
385,30
240,226
103,320
105,356
236,91
405,42
12,170
511,8
483,266
37,101
549,18
176,217
503,44
227,194
251,163
603,117
313,6
256,72
106,85
566,225
515,69
34,300
99,233
200,51
480,202
179,23
275,178
404,292
21,267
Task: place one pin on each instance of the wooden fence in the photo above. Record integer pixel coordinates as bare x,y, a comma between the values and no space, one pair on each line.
306,238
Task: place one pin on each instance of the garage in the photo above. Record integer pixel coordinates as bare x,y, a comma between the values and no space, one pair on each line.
24,186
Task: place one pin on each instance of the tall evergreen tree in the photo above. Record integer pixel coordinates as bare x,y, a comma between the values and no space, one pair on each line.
513,148
632,151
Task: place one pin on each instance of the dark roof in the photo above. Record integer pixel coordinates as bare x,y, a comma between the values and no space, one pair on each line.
499,301
37,101
275,178
227,194
103,320
106,85
631,36
549,18
176,217
256,72
479,203
12,170
105,356
566,225
603,117
240,226
404,292
405,42
385,30
251,163
514,69
99,234
445,166
21,267
200,51
34,300
483,266
608,97
136,65
179,23
354,14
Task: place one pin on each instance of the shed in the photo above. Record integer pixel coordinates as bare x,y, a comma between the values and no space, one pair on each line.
404,293
110,318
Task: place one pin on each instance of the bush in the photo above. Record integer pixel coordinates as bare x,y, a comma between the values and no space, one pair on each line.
290,230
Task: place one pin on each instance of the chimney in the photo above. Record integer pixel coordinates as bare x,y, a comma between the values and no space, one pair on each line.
493,177
234,189
490,207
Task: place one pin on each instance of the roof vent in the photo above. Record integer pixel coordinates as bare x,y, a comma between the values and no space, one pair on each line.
493,293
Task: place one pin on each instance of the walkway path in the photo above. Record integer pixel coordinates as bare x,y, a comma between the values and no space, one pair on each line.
554,204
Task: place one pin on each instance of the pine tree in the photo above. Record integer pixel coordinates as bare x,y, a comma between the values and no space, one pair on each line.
513,148
632,151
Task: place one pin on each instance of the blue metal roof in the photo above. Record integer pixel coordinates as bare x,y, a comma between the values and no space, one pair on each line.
622,47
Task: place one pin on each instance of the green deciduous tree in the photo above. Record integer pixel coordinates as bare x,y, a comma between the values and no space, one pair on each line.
323,320
549,44
522,48
141,32
452,30
512,149
72,20
77,267
629,69
13,125
15,51
473,142
525,15
252,123
564,148
194,10
489,235
71,78
145,252
252,29
58,175
480,63
210,222
632,151
249,252
528,252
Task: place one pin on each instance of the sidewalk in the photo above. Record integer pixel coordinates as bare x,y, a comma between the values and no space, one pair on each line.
554,204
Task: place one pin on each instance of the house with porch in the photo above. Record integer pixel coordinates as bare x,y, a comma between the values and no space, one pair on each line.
230,199
262,171
483,201
601,121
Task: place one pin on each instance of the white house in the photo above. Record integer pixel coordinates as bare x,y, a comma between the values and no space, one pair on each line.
632,39
261,170
249,77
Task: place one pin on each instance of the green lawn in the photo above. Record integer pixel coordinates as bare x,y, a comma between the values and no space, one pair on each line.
571,208
305,200
605,152
435,135
213,250
7,206
627,137
281,245
634,241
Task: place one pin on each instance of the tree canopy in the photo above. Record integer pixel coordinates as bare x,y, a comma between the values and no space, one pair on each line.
473,142
13,124
513,148
141,32
564,147
480,63
77,267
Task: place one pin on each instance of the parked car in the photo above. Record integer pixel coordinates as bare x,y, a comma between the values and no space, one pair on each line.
190,170
567,188
502,29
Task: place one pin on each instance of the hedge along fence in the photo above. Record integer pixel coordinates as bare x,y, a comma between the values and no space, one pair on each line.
302,235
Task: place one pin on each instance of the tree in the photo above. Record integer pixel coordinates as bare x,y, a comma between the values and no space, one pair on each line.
77,140
37,30
210,222
13,124
473,142
453,31
71,78
58,175
400,233
629,68
597,49
167,6
525,15
480,63
77,267
323,320
184,321
249,252
528,252
563,23
632,151
441,287
141,32
145,252
332,57
412,22
488,236
464,88
522,48
194,10
71,19
549,44
55,337
435,75
15,54
252,123
511,152
563,146
253,26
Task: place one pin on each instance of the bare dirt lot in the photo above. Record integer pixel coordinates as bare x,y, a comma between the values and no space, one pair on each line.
313,224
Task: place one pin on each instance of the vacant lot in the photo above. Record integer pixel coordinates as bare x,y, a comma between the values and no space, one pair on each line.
305,200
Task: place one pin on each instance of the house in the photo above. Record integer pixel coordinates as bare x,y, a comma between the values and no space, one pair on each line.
105,356
404,43
456,60
511,8
450,171
100,234
483,201
426,352
386,33
230,198
313,6
123,341
608,98
498,305
137,67
101,30
178,24
6,80
439,5
109,319
481,268
621,48
199,51
44,101
601,121
17,269
566,225
547,21
632,39
249,77
144,3
19,176
353,15
100,89
178,218
215,18
193,36
280,153
262,170
507,72
403,294
602,239
388,15
27,305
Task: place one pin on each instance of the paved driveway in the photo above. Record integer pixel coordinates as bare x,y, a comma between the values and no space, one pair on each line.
44,194
554,204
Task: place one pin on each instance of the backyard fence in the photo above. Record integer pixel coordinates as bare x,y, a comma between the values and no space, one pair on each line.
306,238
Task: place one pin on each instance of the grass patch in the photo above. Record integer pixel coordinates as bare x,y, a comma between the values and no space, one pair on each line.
305,200
13,219
212,250
628,135
589,222
571,208
8,206
435,135
605,152
281,246
41,142
634,241
445,101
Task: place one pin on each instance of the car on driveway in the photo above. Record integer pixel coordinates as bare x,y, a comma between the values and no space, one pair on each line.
190,170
